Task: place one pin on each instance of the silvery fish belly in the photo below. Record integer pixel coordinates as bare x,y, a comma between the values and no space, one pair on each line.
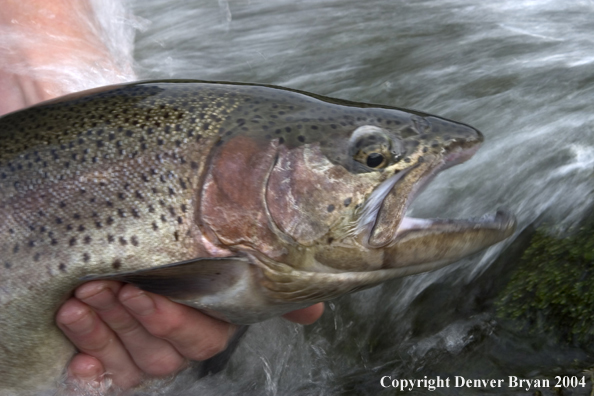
243,201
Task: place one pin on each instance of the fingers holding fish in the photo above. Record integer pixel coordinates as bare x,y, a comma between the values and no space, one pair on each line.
154,356
156,333
192,333
93,337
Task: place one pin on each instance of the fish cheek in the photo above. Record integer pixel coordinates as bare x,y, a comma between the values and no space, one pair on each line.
232,203
309,198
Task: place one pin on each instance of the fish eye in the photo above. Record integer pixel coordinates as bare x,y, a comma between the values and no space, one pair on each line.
375,160
371,146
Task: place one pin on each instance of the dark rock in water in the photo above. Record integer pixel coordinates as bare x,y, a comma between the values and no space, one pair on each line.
551,291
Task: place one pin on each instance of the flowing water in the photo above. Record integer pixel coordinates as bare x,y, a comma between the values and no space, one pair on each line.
521,71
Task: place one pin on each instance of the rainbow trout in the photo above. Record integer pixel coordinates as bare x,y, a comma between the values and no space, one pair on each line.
243,201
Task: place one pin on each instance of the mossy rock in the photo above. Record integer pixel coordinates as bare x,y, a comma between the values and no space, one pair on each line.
552,291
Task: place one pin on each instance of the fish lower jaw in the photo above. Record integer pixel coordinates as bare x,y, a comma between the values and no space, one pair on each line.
438,242
502,221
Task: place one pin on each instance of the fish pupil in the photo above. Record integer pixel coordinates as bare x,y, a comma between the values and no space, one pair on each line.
374,160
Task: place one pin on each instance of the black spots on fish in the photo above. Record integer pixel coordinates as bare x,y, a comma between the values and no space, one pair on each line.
155,226
72,241
122,213
151,209
434,144
86,257
330,240
134,240
330,208
425,149
171,191
62,204
180,220
15,248
347,201
98,225
184,208
116,264
110,238
109,220
135,213
407,160
288,129
194,165
122,241
163,219
69,227
62,267
176,236
301,138
420,160
7,265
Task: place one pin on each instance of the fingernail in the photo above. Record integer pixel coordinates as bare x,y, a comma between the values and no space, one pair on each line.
140,304
89,290
77,321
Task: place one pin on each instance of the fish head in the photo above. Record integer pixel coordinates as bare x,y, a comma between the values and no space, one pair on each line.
345,196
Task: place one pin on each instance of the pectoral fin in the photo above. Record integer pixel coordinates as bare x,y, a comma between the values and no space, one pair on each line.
185,280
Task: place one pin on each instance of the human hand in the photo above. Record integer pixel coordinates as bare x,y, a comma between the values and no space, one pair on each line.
129,333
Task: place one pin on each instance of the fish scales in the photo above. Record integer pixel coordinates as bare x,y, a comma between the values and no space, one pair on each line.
96,185
288,191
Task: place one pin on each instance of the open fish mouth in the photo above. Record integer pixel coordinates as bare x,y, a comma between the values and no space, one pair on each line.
383,222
